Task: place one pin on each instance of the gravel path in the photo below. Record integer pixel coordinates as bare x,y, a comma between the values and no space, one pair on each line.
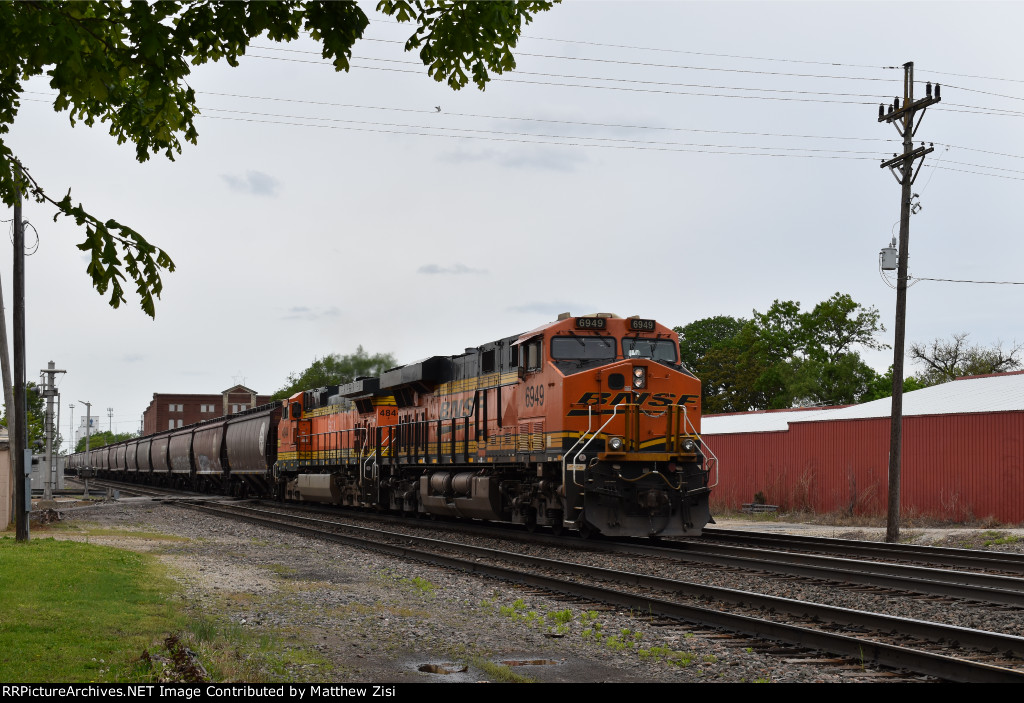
371,618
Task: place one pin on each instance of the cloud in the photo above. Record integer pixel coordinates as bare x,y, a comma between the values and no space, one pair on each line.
132,358
550,308
301,312
545,159
456,269
254,182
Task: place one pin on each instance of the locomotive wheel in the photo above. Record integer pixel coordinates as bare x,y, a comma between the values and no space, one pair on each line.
531,520
557,526
587,531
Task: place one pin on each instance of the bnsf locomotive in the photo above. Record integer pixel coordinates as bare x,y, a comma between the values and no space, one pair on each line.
587,423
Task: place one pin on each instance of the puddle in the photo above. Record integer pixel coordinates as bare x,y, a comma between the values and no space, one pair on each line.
443,669
529,662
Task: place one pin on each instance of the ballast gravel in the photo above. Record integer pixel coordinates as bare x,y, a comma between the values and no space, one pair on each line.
367,617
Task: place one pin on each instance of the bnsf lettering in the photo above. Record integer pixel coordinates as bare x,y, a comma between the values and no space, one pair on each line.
658,400
456,408
594,398
663,400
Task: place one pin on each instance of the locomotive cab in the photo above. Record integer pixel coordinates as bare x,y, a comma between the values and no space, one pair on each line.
629,456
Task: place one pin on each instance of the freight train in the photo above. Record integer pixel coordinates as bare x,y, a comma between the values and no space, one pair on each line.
588,423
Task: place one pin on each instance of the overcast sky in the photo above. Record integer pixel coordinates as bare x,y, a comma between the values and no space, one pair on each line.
673,160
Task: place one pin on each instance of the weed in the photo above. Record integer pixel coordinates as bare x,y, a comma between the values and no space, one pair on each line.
668,655
423,585
991,538
281,569
499,672
561,617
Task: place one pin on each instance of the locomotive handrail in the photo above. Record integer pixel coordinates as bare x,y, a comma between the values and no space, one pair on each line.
701,446
371,455
320,442
615,411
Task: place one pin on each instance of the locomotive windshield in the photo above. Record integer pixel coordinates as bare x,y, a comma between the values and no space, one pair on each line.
656,349
583,348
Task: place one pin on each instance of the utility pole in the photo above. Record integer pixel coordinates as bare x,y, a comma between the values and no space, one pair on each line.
902,168
12,422
88,425
110,420
19,437
71,429
49,391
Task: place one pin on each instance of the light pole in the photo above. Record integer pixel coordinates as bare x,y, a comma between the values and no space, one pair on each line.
88,466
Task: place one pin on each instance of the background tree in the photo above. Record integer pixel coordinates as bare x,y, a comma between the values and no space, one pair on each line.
783,357
335,370
102,439
943,360
126,64
714,348
881,386
35,405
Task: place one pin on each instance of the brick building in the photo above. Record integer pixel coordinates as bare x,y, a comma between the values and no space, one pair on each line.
168,411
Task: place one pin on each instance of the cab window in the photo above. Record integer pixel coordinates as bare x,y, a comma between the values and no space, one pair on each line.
656,349
583,348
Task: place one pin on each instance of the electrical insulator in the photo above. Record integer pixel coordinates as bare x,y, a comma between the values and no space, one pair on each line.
890,109
881,111
937,96
896,104
928,89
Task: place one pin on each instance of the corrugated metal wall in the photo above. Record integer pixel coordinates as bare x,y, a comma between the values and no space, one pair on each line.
954,467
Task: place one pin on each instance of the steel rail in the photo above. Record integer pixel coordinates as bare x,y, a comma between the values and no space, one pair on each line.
988,588
884,654
946,556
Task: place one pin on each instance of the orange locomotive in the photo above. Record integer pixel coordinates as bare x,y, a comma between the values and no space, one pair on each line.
587,423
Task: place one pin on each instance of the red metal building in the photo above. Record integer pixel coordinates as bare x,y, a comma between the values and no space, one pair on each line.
962,456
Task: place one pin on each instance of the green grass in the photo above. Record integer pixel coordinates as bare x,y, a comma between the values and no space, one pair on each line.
74,612
991,538
500,673
77,612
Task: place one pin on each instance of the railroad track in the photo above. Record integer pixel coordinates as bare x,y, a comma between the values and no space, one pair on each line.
944,583
968,584
1001,562
943,651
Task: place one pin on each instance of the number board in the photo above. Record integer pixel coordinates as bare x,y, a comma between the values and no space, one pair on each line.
641,325
590,323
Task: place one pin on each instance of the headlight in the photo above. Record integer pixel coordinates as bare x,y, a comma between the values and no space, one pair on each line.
689,445
615,443
639,377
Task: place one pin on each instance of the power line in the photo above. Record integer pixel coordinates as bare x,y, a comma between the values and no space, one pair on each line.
875,97
620,62
529,141
957,280
537,136
710,149
872,102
